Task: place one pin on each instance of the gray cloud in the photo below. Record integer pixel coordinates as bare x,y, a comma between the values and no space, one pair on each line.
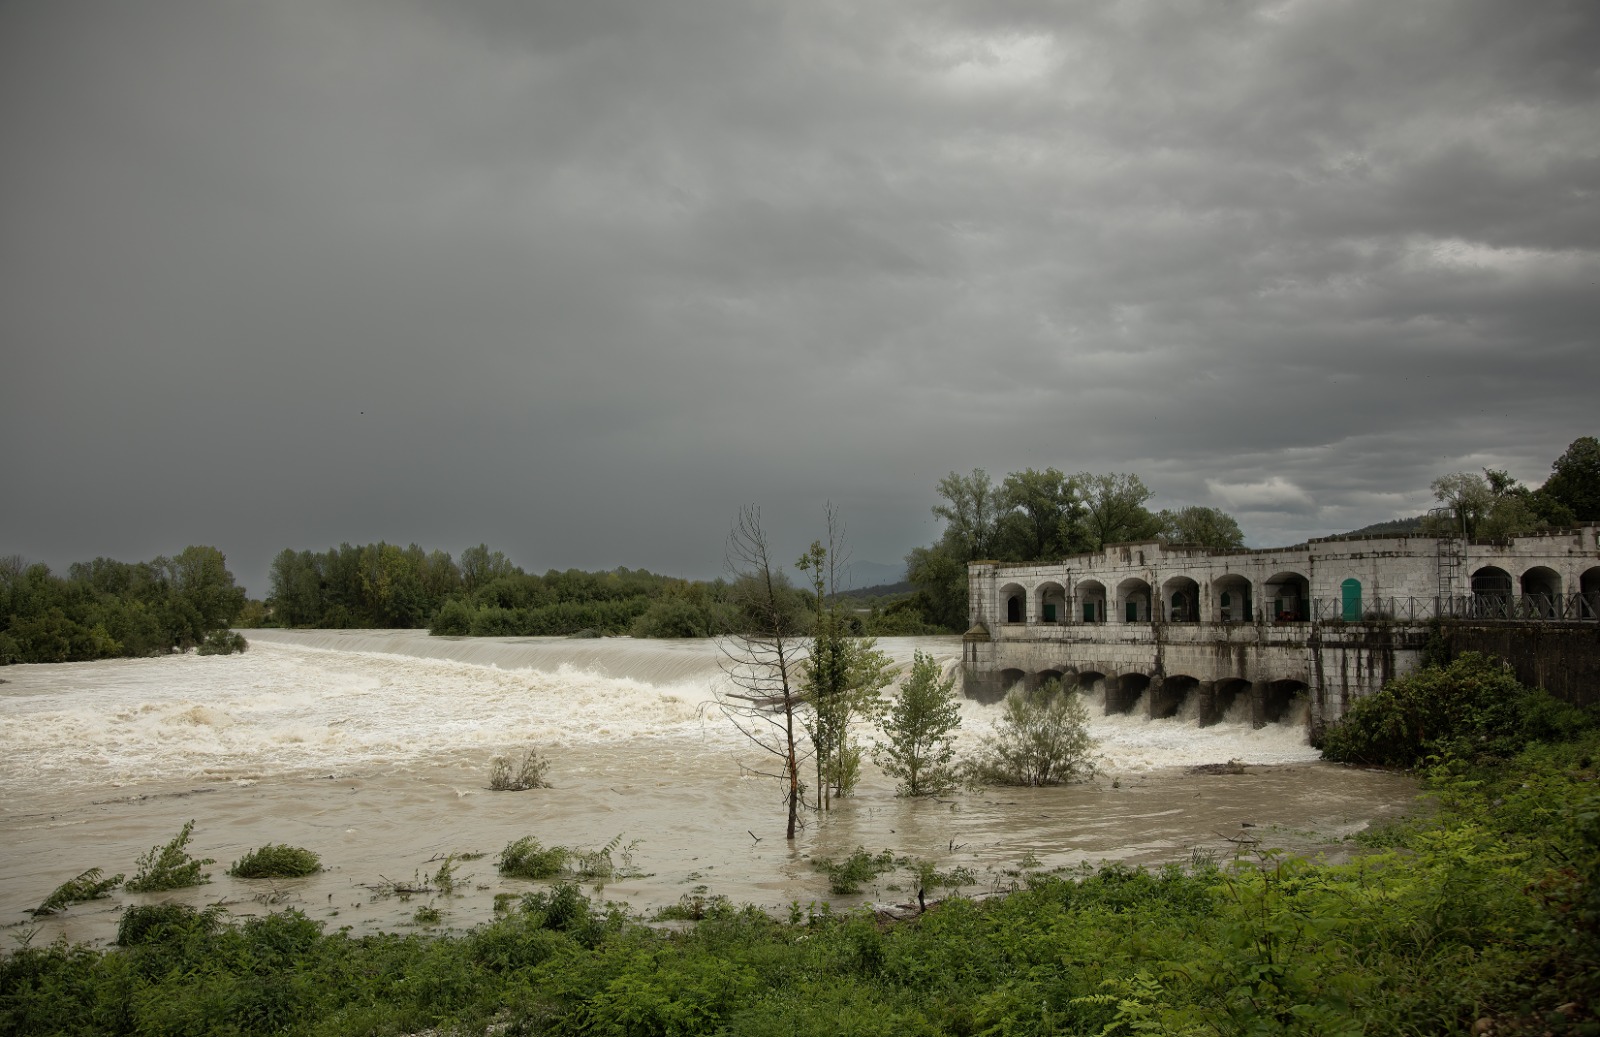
580,280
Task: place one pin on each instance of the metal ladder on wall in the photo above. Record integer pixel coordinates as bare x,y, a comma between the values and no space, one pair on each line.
1450,558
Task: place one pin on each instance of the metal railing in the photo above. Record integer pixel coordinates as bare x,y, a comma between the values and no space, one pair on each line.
1567,608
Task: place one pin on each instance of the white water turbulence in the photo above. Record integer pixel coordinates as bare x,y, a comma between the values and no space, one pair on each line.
373,748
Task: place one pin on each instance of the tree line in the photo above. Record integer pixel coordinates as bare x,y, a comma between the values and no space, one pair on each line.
105,608
1494,506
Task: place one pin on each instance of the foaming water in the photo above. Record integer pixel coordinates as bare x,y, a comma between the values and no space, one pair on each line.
372,748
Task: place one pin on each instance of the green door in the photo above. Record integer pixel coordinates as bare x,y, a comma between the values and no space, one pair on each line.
1088,612
1351,593
1133,612
1049,612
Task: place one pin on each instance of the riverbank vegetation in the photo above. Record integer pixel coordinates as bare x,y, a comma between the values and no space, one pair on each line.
108,609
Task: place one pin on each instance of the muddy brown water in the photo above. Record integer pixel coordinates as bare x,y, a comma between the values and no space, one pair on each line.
372,748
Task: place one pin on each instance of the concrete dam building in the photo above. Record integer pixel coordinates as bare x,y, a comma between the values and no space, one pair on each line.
1167,628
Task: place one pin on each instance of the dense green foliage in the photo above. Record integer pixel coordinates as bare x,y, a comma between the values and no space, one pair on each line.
105,608
276,861
1042,738
1487,908
919,730
1472,707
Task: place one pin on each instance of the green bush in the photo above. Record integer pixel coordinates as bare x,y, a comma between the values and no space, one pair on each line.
1473,708
223,642
849,875
276,861
169,867
158,923
1042,739
527,859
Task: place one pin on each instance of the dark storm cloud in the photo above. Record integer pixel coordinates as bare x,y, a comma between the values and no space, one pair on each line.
581,279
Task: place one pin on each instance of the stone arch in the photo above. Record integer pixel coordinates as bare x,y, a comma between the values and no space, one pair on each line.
1279,700
1589,588
1491,593
1181,598
1289,597
1226,695
1010,679
1092,595
1044,677
1231,599
1091,682
1541,591
1052,603
1168,701
1133,597
1015,601
1123,693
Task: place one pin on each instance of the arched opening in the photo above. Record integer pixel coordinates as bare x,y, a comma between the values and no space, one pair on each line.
1541,591
1231,697
1350,600
1589,589
1123,693
1010,680
1134,594
1281,700
1289,594
1044,677
1232,599
1016,603
1052,603
1491,593
1093,684
1092,596
1169,699
1182,597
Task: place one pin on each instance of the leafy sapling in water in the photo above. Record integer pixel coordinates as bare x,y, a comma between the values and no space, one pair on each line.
87,886
170,866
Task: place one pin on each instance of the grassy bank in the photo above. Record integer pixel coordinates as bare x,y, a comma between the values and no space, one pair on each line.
1488,909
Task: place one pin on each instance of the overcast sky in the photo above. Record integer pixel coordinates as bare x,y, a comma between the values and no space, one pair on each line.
580,279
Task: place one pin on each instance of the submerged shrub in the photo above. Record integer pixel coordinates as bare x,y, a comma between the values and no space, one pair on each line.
508,774
276,861
87,886
170,866
856,870
527,859
1042,739
223,642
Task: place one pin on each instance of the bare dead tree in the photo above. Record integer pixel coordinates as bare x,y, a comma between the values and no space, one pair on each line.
761,692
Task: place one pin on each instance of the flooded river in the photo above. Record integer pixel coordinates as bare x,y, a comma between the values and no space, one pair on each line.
373,749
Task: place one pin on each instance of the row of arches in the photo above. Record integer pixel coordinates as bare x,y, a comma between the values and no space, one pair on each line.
1284,597
1173,695
1230,599
1538,592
